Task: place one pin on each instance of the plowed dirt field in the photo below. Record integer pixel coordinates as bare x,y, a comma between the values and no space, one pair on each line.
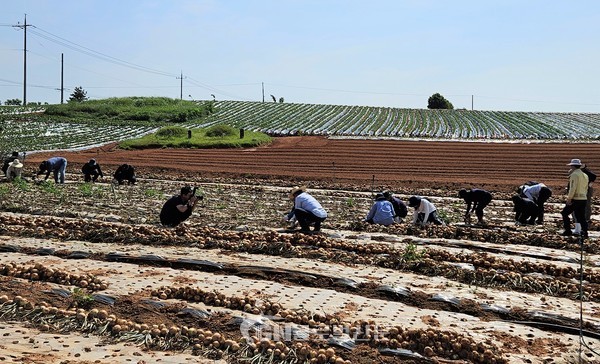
409,163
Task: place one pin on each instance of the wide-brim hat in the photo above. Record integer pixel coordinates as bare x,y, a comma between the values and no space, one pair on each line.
296,189
16,164
575,162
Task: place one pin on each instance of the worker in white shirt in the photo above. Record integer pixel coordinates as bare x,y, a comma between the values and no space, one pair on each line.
425,211
307,210
538,193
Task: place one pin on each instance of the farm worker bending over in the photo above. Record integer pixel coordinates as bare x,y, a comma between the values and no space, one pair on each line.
307,210
476,200
7,161
14,170
538,193
56,165
576,199
525,210
425,211
400,210
125,172
179,207
382,211
91,171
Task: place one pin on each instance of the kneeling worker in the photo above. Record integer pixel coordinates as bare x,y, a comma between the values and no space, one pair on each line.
425,211
179,207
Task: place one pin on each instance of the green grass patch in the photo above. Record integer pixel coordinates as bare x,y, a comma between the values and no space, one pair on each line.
132,109
177,137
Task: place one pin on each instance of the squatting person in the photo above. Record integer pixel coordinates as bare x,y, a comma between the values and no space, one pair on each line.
306,210
179,207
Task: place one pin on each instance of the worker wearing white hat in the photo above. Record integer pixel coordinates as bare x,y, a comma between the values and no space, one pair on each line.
576,199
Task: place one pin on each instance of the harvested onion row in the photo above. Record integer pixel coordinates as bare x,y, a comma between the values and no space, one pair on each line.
39,272
202,342
449,345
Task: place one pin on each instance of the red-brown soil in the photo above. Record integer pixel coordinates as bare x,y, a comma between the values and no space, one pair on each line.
434,164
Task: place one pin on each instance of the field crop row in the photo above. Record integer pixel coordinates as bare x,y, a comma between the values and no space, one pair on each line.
32,133
365,121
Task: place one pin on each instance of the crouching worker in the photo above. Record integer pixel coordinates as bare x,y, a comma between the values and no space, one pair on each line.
526,211
307,210
400,210
538,193
125,172
476,200
425,211
14,170
8,161
179,207
91,171
382,211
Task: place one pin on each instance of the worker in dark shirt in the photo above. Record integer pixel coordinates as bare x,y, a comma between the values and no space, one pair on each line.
526,211
125,172
590,193
476,200
179,207
8,161
91,171
400,209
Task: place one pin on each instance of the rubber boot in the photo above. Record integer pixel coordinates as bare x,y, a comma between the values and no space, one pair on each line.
577,230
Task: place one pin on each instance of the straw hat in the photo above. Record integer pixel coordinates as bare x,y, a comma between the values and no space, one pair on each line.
16,164
295,190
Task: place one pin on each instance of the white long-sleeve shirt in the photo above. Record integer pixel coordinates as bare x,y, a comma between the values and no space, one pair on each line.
306,202
426,208
533,192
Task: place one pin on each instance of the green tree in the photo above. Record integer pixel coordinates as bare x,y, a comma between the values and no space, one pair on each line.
13,102
437,101
78,95
281,100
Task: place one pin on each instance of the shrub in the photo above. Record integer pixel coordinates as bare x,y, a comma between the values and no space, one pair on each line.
220,131
171,131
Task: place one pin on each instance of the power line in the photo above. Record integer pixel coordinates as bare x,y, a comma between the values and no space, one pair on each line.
95,54
213,89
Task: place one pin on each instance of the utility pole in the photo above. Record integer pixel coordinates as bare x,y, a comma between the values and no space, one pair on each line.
263,91
471,102
24,26
181,86
62,84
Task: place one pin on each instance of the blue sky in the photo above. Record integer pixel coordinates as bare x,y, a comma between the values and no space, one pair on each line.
510,55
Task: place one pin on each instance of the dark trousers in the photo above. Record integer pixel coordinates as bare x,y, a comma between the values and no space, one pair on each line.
175,218
588,207
545,194
87,177
578,208
479,209
433,217
306,218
